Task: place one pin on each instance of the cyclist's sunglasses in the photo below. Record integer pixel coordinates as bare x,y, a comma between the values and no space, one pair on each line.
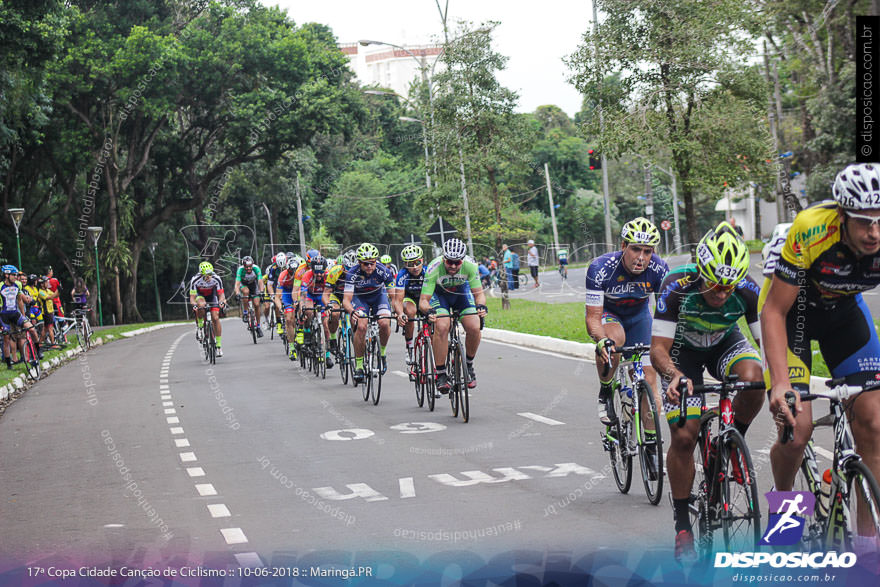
413,263
454,263
368,263
863,220
719,287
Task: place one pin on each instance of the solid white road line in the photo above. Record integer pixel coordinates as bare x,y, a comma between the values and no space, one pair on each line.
541,419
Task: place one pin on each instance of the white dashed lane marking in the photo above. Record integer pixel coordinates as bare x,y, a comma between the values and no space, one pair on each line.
181,442
249,560
218,510
195,471
233,535
541,419
205,489
188,457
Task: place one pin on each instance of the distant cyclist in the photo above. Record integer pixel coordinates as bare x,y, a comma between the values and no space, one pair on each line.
407,292
562,259
249,285
14,300
452,282
388,262
279,264
206,294
314,284
366,292
335,291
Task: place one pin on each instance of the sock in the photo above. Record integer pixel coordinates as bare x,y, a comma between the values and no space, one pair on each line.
650,435
218,342
199,322
382,348
469,360
440,370
332,336
409,343
358,362
740,426
682,514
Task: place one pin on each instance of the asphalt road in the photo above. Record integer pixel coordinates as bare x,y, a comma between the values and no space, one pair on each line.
140,453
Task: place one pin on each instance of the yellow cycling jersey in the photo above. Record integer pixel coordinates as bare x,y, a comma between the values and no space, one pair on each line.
815,258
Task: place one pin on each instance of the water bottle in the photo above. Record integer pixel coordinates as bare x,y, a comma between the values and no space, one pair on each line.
824,501
627,402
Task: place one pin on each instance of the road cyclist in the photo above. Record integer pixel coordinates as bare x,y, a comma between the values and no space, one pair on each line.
830,256
389,262
249,286
452,282
408,289
334,292
695,327
314,283
279,264
366,292
206,294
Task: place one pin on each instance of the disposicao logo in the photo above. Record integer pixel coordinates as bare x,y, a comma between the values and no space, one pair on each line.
788,511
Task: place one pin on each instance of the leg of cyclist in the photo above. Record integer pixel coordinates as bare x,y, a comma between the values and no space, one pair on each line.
332,321
409,310
383,308
602,326
359,328
440,341
255,301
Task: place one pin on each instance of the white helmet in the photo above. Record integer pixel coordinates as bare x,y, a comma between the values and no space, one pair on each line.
281,260
293,263
857,187
454,249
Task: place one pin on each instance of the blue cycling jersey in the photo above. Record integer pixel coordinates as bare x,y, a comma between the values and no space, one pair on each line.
611,286
411,284
9,294
363,285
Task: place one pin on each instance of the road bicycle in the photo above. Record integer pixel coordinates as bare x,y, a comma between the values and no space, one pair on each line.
456,368
563,271
248,315
28,355
344,348
315,345
274,320
422,369
637,409
79,325
371,384
206,338
725,492
849,506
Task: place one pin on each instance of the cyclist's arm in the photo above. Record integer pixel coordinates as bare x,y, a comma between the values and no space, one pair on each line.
428,286
236,289
661,360
780,299
593,320
346,301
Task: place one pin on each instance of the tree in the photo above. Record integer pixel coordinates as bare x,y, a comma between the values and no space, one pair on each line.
675,59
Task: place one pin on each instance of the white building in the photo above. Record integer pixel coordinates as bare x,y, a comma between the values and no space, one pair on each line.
389,67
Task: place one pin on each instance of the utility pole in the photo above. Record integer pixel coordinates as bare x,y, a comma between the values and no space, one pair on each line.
552,207
464,196
607,200
649,195
299,218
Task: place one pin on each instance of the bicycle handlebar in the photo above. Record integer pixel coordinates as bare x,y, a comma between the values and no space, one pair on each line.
730,383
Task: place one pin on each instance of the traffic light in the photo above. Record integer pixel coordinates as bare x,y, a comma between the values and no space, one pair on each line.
595,160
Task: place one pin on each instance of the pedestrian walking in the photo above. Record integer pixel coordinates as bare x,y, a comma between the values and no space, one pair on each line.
533,261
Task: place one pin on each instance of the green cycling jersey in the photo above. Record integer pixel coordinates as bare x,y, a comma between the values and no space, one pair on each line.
437,276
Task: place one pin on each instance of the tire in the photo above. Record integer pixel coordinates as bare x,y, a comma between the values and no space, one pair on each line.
864,496
653,488
80,335
31,361
702,514
452,372
463,403
376,390
342,345
740,512
349,343
212,349
418,375
621,458
272,323
428,374
251,327
321,350
809,479
367,385
523,279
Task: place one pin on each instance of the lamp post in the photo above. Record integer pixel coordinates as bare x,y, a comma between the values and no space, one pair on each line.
155,282
96,231
410,119
17,214
271,239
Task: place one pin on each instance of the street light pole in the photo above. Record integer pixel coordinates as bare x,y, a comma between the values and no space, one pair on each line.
604,162
95,231
552,210
17,214
155,281
271,239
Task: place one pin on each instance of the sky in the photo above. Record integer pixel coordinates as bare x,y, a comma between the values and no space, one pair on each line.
535,37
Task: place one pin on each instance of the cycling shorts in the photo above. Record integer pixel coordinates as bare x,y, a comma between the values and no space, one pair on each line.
334,299
852,351
411,301
48,319
12,318
637,327
316,298
443,302
287,300
375,304
563,261
717,360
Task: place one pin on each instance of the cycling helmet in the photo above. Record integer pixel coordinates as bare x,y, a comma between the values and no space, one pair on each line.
293,263
857,187
318,264
280,260
411,253
311,254
454,249
32,278
640,231
722,256
247,260
9,269
206,268
367,251
349,259
385,259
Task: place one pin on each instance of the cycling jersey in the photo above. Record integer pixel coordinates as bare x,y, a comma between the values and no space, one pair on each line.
684,315
411,284
272,273
816,259
334,281
249,279
363,285
562,255
313,284
207,286
466,278
9,294
611,286
298,274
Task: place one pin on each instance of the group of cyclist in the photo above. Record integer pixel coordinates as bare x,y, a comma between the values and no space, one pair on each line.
811,291
359,283
31,303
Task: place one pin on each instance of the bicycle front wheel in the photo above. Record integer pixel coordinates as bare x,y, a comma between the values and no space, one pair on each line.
251,326
321,350
452,373
367,384
650,447
416,369
427,374
31,360
863,505
740,512
462,378
620,436
376,373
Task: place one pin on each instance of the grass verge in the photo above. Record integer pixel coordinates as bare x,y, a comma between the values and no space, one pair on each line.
7,375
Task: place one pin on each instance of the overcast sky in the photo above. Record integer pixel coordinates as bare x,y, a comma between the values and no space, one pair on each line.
535,36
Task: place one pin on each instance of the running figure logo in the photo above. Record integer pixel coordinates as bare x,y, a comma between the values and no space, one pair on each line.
788,510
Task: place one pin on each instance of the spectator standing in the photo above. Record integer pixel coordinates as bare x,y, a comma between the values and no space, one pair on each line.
53,284
514,257
533,261
507,261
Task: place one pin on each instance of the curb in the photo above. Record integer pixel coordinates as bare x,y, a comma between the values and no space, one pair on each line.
578,350
17,386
